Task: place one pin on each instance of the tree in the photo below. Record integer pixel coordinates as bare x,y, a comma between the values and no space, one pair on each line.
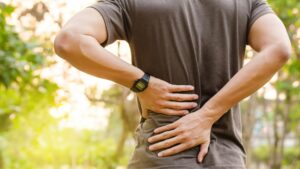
284,110
288,11
123,104
22,90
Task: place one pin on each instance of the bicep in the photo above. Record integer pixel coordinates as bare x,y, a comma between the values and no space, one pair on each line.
88,22
267,30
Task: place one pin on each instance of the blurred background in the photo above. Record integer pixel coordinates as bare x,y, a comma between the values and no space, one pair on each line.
53,116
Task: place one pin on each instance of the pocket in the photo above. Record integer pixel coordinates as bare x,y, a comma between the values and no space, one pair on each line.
143,131
148,126
137,135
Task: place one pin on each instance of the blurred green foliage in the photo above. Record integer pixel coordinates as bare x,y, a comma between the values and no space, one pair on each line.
30,138
17,58
284,115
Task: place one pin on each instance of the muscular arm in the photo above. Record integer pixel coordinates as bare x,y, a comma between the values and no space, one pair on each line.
79,43
269,38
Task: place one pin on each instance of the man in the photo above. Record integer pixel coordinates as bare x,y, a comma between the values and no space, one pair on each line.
181,43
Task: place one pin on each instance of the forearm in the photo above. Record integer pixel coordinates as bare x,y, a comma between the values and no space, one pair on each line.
85,53
248,80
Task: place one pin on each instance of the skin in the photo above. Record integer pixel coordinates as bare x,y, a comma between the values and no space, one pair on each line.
79,45
269,38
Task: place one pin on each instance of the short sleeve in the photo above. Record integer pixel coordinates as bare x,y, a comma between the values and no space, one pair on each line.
258,9
116,18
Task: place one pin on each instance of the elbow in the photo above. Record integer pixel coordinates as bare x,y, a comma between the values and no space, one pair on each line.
283,52
63,43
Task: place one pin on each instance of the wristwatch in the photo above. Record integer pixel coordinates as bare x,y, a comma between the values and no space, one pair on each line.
141,84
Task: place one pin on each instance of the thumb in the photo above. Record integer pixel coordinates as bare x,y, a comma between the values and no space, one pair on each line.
203,151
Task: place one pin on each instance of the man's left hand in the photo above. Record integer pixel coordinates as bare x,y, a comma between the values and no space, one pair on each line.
189,131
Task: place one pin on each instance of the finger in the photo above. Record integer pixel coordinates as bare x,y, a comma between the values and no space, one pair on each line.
165,128
203,151
173,112
182,97
164,144
179,105
162,136
180,88
174,150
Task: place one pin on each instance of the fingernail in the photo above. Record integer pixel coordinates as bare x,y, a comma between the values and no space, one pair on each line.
150,147
149,140
160,154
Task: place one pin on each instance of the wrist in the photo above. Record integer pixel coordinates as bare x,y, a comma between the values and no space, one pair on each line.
128,78
137,74
208,114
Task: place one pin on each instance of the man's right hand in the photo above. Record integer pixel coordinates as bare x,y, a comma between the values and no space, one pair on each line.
163,97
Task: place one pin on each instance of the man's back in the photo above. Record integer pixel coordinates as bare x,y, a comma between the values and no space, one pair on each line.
197,42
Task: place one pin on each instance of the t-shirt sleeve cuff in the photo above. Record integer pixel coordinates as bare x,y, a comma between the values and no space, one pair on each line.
258,15
260,9
107,23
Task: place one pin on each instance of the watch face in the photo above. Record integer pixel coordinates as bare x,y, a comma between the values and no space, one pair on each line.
140,85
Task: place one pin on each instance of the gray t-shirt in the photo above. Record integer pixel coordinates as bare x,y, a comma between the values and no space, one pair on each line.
196,42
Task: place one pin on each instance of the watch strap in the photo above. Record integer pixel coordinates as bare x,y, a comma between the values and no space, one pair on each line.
141,84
